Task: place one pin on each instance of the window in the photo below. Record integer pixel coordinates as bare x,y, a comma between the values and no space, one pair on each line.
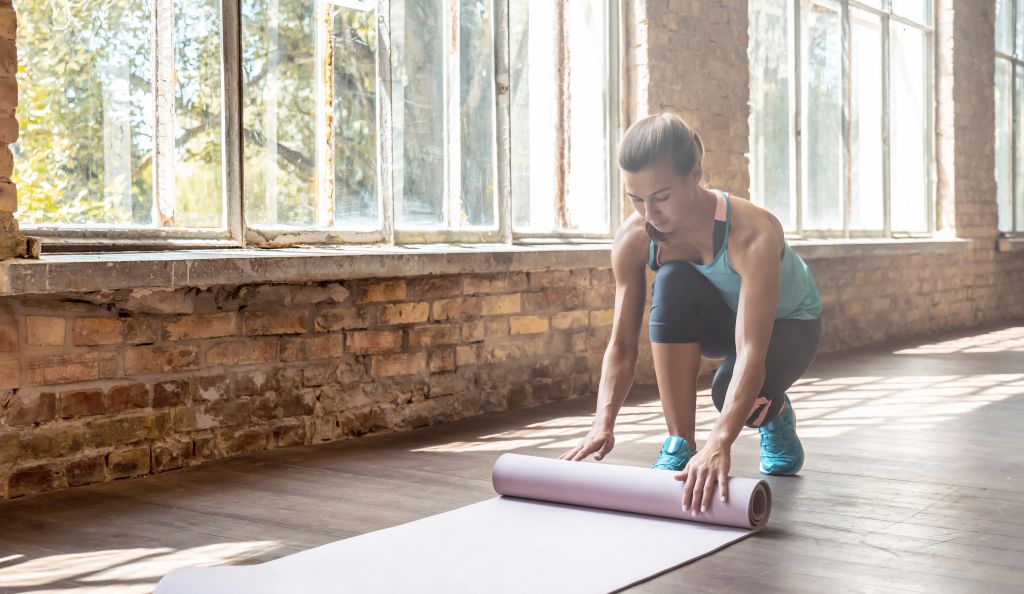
1009,99
841,115
288,121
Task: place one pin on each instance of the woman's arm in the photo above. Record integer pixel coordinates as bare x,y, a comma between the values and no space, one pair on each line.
757,262
619,363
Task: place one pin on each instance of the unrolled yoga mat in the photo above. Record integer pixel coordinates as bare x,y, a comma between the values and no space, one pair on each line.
558,527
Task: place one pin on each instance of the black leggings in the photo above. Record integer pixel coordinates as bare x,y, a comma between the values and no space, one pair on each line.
686,307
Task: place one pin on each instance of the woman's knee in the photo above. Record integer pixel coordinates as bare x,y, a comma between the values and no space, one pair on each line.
678,289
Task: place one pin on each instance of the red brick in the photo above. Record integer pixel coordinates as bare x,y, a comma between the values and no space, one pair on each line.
601,317
240,441
97,331
78,367
433,334
289,432
36,479
199,326
171,455
245,351
10,374
343,317
27,409
311,348
45,330
529,324
430,287
171,393
386,290
160,359
127,463
404,313
81,403
398,364
442,359
362,343
494,283
8,330
473,331
127,396
86,470
10,448
141,330
262,323
493,305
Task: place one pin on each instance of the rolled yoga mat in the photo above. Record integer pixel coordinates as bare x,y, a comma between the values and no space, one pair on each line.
558,526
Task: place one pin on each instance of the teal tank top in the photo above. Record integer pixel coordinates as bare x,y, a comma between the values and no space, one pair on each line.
798,295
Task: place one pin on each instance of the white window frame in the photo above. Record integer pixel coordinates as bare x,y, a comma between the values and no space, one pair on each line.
797,166
1017,177
237,233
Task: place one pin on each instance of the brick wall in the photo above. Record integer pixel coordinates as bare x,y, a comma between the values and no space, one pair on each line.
104,386
100,386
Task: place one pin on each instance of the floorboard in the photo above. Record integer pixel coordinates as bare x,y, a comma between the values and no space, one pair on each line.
912,483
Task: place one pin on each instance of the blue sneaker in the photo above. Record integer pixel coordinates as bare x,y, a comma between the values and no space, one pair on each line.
781,452
674,455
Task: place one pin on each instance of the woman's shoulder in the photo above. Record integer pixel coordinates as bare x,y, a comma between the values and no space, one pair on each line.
749,220
631,243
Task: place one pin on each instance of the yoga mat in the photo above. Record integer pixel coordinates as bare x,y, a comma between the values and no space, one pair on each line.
558,526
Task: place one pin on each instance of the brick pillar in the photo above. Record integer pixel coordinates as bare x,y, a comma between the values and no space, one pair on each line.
970,110
697,66
8,130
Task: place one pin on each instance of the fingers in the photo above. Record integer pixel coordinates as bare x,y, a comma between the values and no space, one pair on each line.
723,482
692,478
709,492
584,450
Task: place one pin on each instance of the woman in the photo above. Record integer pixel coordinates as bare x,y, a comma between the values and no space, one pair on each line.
726,285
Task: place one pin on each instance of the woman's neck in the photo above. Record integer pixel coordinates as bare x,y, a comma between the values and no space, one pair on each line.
701,218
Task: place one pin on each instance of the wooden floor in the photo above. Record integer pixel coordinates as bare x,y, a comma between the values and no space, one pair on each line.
913,482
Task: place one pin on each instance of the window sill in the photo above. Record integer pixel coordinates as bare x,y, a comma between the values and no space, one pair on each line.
83,272
855,248
1010,244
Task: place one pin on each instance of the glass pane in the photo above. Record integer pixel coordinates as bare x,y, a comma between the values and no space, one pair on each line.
85,154
476,82
418,105
822,116
909,125
1003,144
199,199
917,10
771,128
1019,143
279,98
354,47
1020,29
1004,26
534,122
866,183
587,199
873,3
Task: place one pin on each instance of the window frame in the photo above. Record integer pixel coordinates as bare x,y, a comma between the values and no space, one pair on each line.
798,167
1016,64
236,232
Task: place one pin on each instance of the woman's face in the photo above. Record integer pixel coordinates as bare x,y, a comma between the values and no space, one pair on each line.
660,195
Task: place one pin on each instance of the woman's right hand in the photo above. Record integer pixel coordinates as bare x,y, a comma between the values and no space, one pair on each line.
599,441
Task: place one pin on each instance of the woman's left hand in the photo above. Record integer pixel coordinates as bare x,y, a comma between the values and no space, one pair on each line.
707,467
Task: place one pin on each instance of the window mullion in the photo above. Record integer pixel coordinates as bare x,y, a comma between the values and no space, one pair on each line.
797,92
231,118
163,92
324,142
847,94
385,122
503,118
452,203
886,130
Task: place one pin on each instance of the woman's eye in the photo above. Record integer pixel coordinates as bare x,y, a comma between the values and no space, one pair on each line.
662,198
